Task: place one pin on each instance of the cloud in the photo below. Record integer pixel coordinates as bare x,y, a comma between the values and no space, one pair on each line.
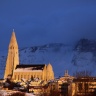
45,21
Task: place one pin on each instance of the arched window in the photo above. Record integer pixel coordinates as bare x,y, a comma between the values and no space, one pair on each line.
21,76
18,77
11,47
28,76
25,76
15,76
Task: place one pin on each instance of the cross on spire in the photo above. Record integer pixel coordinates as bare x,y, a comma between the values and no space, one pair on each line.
13,30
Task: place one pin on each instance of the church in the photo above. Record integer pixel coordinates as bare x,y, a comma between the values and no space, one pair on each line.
26,71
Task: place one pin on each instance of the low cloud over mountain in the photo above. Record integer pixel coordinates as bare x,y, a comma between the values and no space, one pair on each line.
80,57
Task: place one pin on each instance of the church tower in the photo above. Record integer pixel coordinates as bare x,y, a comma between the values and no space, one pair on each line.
13,56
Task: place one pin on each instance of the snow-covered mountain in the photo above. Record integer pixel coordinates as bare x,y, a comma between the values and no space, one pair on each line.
80,57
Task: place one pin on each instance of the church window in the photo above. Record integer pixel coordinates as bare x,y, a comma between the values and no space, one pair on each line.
10,47
21,76
18,77
25,76
39,76
28,76
15,76
34,76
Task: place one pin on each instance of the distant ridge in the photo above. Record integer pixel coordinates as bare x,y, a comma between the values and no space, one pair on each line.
79,57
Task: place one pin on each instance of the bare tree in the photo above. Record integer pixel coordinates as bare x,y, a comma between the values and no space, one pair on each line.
82,74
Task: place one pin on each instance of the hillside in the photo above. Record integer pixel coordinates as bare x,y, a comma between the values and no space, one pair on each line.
80,57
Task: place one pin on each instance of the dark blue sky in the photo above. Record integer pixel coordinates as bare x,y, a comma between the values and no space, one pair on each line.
39,22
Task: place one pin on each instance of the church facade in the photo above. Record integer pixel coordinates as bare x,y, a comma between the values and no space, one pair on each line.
33,71
19,71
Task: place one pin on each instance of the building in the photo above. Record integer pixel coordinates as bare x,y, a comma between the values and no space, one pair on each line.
64,84
37,86
13,56
18,71
40,71
85,86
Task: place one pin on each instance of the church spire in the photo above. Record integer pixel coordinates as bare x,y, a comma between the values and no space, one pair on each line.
13,40
13,56
13,30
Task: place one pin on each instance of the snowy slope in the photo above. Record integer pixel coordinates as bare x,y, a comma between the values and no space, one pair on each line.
3,55
63,57
59,55
80,57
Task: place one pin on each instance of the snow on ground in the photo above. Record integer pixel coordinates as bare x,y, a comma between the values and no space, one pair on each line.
8,93
29,94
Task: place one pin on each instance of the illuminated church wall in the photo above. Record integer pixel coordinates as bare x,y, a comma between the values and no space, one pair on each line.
18,71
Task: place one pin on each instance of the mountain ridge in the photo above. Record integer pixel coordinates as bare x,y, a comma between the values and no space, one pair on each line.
80,57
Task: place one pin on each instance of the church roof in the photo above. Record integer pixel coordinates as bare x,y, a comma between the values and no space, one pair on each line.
31,67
